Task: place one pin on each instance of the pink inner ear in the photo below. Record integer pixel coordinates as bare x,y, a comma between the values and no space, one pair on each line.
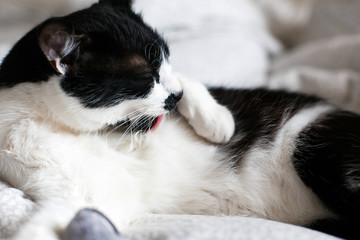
57,41
51,54
57,66
53,63
61,68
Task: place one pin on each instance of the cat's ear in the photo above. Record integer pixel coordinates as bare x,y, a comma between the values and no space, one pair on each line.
60,46
117,3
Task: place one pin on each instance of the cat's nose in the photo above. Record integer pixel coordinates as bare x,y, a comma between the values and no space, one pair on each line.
172,100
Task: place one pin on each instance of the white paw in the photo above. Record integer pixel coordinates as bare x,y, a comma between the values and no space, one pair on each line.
211,121
208,118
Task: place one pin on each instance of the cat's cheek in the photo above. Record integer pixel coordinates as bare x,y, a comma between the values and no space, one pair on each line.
64,109
69,111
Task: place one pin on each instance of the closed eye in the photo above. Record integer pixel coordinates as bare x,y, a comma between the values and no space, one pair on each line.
155,54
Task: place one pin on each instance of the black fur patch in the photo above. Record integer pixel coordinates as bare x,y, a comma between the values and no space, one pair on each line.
259,114
327,159
117,56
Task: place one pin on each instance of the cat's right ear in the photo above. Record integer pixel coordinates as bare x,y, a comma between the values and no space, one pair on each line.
60,46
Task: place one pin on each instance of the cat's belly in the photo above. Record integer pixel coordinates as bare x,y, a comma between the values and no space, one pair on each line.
181,173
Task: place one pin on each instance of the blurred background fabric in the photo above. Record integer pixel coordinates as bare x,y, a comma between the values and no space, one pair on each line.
219,42
221,35
308,46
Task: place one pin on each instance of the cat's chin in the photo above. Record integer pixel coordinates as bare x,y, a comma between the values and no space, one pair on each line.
141,124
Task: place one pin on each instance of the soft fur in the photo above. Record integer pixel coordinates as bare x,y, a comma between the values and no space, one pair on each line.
75,90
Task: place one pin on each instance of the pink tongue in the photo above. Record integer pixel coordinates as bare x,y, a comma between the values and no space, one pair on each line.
157,123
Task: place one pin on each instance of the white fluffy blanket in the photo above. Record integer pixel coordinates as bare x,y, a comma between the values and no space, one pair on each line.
15,208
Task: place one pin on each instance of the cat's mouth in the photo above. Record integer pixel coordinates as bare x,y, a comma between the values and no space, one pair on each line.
157,122
142,124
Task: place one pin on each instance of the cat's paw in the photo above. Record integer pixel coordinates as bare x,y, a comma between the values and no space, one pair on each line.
216,124
208,118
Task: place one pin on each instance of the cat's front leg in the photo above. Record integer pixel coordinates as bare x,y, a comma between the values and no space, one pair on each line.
208,118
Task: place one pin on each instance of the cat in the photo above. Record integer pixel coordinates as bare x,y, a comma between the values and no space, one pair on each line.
88,120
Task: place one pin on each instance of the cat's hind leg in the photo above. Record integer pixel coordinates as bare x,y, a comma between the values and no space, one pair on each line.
327,159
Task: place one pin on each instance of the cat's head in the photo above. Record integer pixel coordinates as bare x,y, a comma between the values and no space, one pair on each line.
97,67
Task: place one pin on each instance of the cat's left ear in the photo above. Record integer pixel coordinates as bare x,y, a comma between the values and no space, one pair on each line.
60,46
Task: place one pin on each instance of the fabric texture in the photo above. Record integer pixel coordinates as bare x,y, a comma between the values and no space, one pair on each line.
14,209
190,227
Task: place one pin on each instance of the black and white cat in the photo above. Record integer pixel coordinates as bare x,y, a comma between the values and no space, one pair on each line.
85,122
